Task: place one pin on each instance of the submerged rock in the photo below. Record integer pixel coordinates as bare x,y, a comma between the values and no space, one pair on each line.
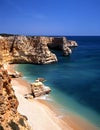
41,79
39,89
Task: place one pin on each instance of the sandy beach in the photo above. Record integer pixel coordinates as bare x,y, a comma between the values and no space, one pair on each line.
40,115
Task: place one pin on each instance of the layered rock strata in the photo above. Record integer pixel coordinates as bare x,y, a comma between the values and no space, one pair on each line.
22,49
32,49
10,119
39,89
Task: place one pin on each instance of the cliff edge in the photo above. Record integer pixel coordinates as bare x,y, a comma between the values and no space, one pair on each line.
32,49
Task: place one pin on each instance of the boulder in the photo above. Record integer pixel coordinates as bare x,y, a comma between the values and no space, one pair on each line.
39,89
15,74
28,96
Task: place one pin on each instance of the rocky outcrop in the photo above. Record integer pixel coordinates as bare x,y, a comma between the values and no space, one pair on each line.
61,43
5,55
15,74
39,89
22,49
69,43
32,49
10,119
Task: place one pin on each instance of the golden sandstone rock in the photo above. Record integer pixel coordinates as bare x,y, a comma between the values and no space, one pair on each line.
25,49
10,119
39,89
32,49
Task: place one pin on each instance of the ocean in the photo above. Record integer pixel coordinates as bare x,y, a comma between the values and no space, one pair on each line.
74,80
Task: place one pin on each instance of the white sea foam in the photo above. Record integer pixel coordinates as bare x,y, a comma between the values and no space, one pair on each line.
45,97
24,77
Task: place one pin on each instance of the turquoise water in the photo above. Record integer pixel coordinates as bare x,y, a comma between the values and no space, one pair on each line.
74,80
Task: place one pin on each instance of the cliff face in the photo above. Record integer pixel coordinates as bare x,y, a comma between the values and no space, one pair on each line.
10,119
21,49
28,49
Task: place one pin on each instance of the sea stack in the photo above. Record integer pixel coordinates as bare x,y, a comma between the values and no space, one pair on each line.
39,89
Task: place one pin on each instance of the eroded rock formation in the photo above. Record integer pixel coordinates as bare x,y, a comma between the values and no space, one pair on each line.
39,89
61,43
10,119
22,49
32,49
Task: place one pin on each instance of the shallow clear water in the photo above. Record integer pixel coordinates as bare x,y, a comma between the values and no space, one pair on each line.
74,80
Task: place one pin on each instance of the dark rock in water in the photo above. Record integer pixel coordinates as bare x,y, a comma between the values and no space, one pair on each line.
39,89
32,49
41,79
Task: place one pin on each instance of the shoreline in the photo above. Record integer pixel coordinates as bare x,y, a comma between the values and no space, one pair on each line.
43,116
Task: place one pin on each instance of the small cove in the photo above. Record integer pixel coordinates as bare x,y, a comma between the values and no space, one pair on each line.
74,80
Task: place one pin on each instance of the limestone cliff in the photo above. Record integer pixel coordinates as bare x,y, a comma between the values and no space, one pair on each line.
22,49
32,49
10,119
